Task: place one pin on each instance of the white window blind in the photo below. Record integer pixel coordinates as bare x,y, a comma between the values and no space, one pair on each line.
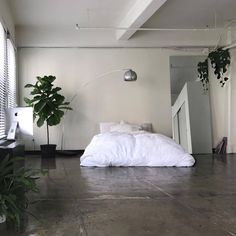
3,74
7,77
11,75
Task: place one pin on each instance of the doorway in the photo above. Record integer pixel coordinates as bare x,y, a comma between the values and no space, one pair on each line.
191,118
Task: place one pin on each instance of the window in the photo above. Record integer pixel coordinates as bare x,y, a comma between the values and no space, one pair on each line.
2,80
7,77
11,75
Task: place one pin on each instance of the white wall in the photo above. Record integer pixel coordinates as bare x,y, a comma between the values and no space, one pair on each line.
6,17
232,101
107,98
219,108
223,103
51,36
182,69
200,118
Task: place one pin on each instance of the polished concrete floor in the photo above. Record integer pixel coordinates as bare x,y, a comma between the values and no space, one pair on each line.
137,201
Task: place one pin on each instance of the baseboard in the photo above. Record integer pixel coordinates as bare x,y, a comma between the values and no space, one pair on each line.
59,152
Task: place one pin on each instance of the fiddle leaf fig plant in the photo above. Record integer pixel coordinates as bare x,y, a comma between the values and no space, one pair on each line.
48,104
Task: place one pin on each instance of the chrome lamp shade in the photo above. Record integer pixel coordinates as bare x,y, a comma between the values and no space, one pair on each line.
130,75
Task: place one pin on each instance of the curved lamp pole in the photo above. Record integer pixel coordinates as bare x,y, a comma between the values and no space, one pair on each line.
129,76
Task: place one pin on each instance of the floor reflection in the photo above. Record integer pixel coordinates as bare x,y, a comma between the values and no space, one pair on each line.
48,163
76,200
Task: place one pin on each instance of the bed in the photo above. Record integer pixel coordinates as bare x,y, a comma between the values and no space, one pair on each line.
125,144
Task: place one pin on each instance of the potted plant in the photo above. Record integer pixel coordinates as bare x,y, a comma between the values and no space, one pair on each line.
48,106
220,62
14,184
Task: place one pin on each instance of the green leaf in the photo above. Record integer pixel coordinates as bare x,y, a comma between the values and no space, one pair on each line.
59,99
41,81
35,91
40,121
27,100
39,106
29,85
50,78
59,113
53,120
55,90
66,108
36,98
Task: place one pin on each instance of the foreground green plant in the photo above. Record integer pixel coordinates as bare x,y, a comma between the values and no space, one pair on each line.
15,183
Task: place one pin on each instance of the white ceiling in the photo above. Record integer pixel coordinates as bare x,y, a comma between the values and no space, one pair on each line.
103,13
94,13
194,14
47,16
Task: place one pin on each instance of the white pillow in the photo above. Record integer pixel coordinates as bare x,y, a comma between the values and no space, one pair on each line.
143,126
135,127
125,128
106,126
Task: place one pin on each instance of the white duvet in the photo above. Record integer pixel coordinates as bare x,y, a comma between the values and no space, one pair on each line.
134,149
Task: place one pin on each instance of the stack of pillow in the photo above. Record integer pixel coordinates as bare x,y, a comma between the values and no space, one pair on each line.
123,127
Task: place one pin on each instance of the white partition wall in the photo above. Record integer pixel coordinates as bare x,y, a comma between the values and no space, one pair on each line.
181,127
191,119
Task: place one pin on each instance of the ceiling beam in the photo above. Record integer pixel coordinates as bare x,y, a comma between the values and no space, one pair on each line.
137,15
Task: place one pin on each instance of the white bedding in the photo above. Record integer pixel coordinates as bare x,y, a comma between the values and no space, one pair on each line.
138,148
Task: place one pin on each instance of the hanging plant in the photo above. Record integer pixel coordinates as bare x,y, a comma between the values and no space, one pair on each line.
220,61
203,73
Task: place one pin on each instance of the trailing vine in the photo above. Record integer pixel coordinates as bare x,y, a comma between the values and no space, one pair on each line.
220,61
203,73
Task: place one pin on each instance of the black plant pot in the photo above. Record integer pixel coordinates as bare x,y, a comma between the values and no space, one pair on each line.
48,150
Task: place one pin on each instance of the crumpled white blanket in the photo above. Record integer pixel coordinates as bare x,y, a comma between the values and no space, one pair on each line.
138,148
